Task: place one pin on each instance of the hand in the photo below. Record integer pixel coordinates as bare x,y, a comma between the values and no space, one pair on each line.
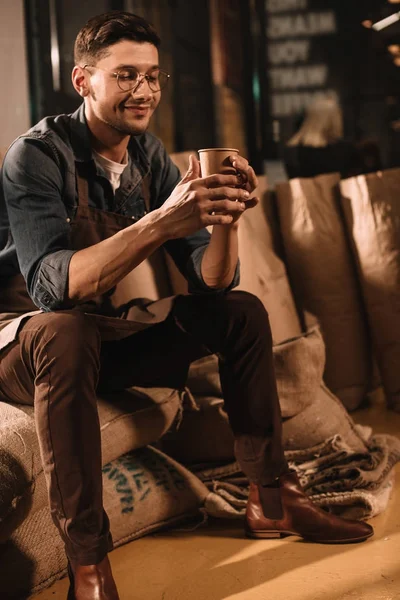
245,171
197,202
248,181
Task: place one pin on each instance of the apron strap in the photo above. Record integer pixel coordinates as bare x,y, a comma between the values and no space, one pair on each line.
83,190
146,191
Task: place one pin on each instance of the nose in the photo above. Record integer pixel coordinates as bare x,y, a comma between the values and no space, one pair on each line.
142,89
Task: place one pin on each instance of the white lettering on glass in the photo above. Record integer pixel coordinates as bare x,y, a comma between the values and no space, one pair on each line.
289,53
310,24
298,77
285,105
277,6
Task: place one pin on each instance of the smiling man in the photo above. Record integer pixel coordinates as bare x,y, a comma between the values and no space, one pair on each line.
85,199
108,108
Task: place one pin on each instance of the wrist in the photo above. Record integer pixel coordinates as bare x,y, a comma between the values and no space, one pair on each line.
227,229
234,226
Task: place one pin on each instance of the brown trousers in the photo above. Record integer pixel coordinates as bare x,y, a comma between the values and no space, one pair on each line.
59,362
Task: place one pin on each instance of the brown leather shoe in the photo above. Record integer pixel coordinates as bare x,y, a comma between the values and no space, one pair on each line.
298,516
92,582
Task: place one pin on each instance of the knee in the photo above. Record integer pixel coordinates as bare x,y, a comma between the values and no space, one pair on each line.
247,310
246,304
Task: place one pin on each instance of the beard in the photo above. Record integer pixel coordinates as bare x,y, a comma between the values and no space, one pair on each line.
126,128
120,121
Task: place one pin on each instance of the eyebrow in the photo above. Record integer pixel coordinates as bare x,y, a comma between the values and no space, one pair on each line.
124,66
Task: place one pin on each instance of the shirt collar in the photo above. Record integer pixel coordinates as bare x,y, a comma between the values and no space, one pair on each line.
80,137
80,141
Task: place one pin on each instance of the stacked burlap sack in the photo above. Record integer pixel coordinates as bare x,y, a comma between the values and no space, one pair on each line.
324,280
343,466
143,491
371,210
342,248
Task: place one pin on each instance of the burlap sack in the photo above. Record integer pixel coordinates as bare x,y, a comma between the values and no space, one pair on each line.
325,282
144,491
203,377
134,418
352,483
310,412
263,273
147,490
372,214
20,468
299,365
322,419
128,420
205,436
15,499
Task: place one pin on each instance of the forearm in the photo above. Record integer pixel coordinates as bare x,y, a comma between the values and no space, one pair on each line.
221,256
95,270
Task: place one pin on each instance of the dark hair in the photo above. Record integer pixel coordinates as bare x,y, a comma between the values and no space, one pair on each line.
107,29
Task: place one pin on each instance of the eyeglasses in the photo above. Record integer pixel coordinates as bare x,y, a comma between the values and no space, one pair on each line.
129,78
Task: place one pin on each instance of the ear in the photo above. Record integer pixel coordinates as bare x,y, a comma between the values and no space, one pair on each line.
80,81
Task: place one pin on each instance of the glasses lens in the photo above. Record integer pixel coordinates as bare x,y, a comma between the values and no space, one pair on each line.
127,79
157,80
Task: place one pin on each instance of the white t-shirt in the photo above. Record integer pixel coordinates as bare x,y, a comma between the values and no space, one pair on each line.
112,169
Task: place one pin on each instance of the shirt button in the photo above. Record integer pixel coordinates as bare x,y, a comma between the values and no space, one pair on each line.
145,212
68,220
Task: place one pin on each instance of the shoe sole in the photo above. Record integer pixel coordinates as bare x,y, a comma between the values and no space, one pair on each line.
268,535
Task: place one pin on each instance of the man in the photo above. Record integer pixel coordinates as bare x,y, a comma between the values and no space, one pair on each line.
86,198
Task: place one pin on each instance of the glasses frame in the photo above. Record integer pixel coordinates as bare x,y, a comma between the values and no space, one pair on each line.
141,78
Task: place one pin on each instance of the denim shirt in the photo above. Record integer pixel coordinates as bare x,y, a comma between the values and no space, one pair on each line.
38,200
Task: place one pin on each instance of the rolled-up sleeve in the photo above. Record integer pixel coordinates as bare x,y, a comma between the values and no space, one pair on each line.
33,190
201,286
187,254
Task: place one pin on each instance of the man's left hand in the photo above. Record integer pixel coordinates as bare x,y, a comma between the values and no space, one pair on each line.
249,181
245,171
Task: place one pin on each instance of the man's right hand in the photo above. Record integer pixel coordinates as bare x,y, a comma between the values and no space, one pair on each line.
197,202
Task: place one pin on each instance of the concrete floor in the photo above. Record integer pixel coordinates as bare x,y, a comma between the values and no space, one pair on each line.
219,563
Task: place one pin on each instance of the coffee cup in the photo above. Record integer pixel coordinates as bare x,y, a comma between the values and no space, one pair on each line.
216,160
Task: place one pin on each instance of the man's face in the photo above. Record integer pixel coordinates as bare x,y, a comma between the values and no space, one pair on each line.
127,112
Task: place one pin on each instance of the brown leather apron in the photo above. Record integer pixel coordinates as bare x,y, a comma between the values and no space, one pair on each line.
118,316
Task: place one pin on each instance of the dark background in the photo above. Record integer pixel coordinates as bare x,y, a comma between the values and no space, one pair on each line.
361,70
